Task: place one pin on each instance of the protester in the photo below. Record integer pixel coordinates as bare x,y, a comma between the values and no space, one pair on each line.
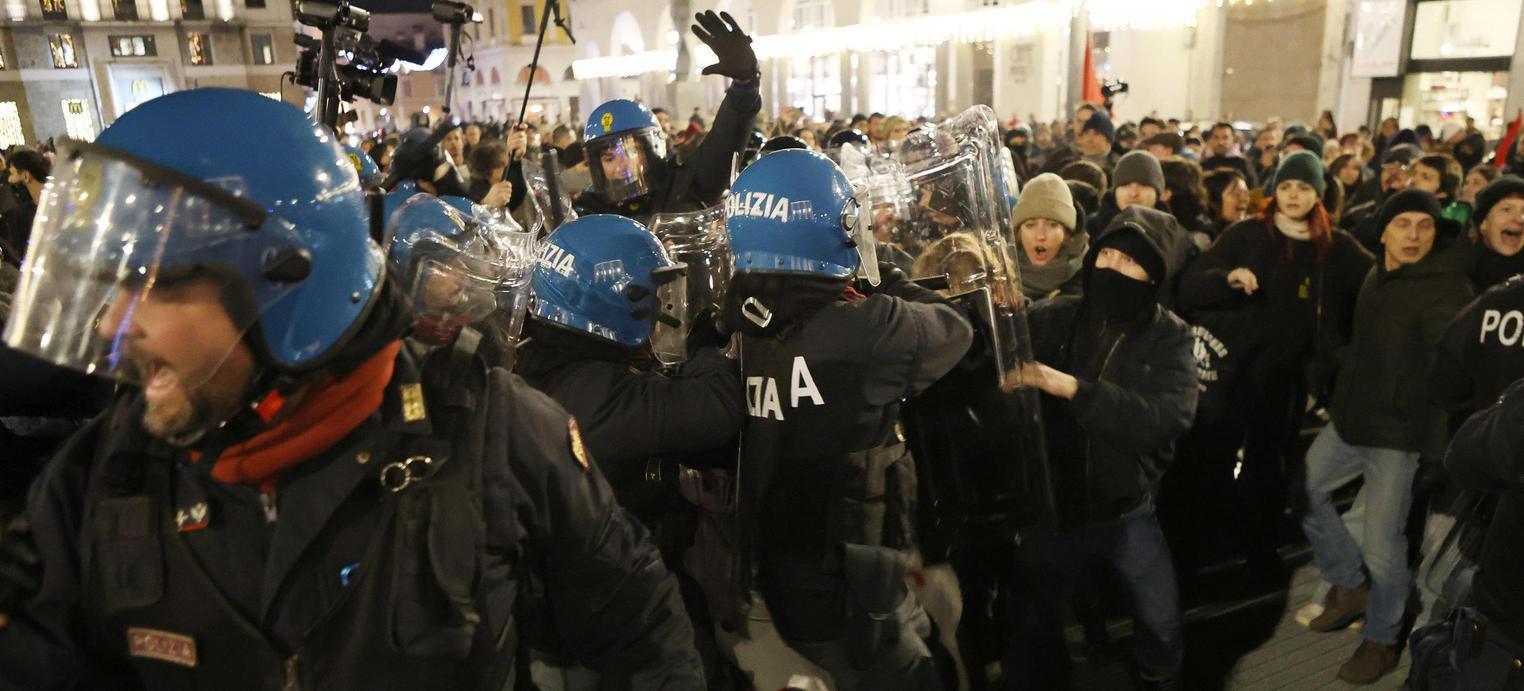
1052,240
1416,287
1227,197
1121,388
1294,278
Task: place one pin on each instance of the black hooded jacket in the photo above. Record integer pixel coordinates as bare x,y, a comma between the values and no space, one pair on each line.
1112,442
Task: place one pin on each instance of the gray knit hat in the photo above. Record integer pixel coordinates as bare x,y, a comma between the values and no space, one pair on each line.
1045,196
1140,167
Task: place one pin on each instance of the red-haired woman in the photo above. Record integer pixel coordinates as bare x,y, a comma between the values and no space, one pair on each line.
1299,277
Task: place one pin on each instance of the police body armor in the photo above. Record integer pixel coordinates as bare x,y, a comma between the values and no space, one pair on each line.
415,613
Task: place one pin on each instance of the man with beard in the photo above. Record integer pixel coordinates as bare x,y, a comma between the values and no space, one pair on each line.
291,498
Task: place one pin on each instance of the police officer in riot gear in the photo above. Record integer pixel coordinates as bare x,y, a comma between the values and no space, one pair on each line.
633,172
825,474
611,339
291,500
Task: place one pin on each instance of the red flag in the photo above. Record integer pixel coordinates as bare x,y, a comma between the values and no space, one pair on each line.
1504,147
1092,92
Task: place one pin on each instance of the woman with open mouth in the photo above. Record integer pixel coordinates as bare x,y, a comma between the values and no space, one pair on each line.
1052,238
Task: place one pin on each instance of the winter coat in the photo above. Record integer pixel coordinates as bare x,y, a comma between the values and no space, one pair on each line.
1291,289
1485,456
1381,399
1129,416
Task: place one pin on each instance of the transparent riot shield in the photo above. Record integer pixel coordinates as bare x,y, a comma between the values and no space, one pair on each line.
552,204
698,239
980,452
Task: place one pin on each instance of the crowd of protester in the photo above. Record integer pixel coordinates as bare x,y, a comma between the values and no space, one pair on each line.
1230,326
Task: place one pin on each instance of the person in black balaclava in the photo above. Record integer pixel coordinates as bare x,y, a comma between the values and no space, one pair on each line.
1121,388
421,158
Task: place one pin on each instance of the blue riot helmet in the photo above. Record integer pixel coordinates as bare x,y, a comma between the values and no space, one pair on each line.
795,212
365,167
160,203
626,150
460,270
608,276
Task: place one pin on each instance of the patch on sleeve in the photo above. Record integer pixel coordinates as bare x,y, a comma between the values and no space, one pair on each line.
578,450
169,647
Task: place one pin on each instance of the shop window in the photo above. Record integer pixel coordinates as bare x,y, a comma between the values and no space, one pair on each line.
199,48
1451,29
132,46
54,9
125,9
192,9
10,125
262,46
62,48
78,122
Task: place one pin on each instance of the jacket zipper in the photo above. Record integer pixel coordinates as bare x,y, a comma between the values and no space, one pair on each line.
1098,378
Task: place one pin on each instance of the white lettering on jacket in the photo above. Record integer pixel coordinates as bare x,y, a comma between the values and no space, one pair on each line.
1508,326
762,398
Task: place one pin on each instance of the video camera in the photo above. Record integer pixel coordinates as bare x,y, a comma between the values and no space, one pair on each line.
1110,88
365,71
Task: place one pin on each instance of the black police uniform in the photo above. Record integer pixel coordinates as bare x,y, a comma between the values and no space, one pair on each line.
823,464
158,576
699,181
1482,351
639,425
1482,646
633,419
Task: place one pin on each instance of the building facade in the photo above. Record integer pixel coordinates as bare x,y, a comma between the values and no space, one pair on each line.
1199,60
71,67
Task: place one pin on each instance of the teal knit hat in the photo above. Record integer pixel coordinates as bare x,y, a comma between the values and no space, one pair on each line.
1302,165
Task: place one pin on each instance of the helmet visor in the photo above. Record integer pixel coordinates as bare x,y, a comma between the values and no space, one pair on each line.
622,165
669,314
144,274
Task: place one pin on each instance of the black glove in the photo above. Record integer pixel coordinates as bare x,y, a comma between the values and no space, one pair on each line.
20,568
730,44
707,330
889,275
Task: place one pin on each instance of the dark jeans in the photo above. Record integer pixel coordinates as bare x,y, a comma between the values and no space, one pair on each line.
1046,567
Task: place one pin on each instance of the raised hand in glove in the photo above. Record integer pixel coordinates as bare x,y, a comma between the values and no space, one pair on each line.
20,568
730,44
707,330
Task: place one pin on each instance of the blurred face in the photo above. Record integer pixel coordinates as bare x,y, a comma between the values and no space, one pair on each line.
1473,183
495,175
1042,238
473,134
876,128
665,121
1148,130
1136,194
1350,173
1295,198
455,143
1235,200
1389,128
188,354
1160,151
1266,139
1394,176
1425,178
1503,229
1120,262
1408,238
1093,143
899,132
1220,141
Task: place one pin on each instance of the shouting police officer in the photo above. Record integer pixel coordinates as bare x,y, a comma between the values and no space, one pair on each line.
290,500
635,175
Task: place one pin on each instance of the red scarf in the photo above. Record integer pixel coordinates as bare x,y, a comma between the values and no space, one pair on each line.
327,413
